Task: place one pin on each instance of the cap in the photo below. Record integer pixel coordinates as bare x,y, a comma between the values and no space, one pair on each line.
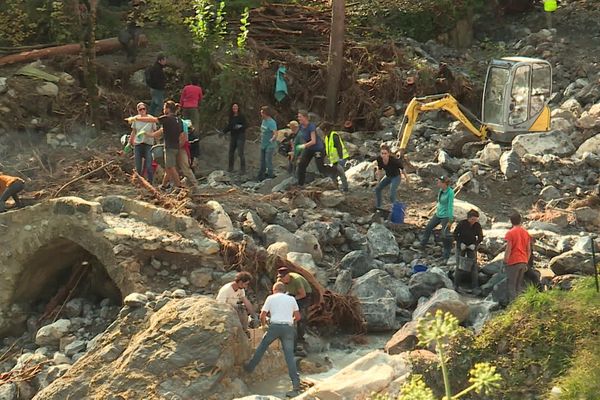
283,271
293,123
444,178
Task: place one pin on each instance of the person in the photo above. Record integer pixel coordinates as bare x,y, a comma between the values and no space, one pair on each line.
268,129
129,38
468,234
236,127
142,141
172,130
392,167
313,147
157,81
10,186
184,158
283,311
550,7
444,215
516,256
190,99
337,155
293,139
234,294
297,286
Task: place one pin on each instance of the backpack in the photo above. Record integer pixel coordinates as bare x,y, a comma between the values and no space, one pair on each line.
148,76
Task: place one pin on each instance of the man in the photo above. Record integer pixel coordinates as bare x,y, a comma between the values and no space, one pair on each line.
130,36
550,7
184,163
156,81
468,234
190,99
516,256
283,311
10,186
234,294
298,287
337,155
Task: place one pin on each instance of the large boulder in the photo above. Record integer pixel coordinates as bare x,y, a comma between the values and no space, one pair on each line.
378,283
572,262
218,218
358,262
592,145
461,208
405,339
491,154
424,284
191,348
510,164
369,374
377,302
382,242
446,300
52,333
301,242
305,260
540,143
362,172
590,119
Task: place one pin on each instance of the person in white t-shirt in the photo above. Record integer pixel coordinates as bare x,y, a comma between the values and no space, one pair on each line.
234,293
283,311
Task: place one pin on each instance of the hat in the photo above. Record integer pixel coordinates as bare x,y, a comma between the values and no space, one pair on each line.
444,178
293,123
283,271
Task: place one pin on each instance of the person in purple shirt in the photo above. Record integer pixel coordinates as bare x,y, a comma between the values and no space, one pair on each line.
313,147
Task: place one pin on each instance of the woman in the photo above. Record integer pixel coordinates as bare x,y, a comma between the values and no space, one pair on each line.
142,142
392,167
10,186
268,129
313,147
236,127
444,215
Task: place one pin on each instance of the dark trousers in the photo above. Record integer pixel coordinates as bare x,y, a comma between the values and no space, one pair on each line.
11,191
143,152
193,114
236,142
303,305
466,268
446,236
305,158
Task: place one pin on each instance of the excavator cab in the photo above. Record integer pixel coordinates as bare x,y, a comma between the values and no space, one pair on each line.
515,97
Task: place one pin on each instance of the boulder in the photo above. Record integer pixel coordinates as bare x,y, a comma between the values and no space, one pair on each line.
378,283
343,282
284,185
446,300
47,89
305,260
461,208
405,339
201,278
480,311
369,374
135,300
3,85
424,284
358,262
362,172
510,164
382,242
325,232
218,219
572,262
571,105
9,391
331,198
51,334
491,154
550,193
562,125
378,303
448,162
218,179
592,145
302,242
143,359
253,223
590,119
540,143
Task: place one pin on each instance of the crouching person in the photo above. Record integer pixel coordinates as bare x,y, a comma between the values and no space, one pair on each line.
468,234
10,186
234,293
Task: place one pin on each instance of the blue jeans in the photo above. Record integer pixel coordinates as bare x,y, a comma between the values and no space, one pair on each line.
144,151
285,334
266,163
393,182
446,237
158,98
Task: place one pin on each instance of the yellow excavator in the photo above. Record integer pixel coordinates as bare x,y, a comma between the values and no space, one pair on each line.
515,101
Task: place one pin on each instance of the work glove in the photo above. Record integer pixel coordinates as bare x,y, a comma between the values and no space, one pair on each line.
300,147
472,247
463,246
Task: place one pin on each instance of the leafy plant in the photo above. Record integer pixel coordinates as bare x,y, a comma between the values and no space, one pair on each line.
243,35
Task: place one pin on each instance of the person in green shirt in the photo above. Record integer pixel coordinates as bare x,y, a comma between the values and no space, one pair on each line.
297,286
444,216
268,144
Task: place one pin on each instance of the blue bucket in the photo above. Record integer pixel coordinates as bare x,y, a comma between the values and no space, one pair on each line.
419,268
397,215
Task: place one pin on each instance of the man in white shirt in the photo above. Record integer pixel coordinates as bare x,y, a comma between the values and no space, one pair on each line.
234,293
283,310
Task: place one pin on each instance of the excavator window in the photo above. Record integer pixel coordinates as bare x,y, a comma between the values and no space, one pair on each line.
541,79
519,101
493,106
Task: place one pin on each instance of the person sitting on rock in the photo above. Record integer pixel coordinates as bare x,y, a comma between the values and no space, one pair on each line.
298,287
234,293
10,186
468,234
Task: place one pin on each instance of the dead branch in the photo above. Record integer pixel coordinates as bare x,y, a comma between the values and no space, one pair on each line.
82,177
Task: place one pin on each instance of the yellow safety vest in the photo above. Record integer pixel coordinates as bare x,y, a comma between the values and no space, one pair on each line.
550,5
332,153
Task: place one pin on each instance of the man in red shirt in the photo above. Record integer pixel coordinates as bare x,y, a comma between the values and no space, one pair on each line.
190,99
516,256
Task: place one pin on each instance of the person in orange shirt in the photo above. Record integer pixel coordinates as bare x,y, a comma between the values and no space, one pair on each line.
9,187
516,256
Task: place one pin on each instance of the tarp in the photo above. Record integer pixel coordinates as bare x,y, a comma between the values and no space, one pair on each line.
280,85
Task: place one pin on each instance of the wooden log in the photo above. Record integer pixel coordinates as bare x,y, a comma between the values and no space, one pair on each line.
102,46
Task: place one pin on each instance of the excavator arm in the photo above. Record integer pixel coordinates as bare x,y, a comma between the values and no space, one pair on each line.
444,102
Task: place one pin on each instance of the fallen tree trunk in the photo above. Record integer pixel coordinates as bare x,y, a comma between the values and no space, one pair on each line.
102,46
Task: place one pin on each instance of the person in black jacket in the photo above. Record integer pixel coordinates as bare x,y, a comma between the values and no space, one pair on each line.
468,234
237,129
157,81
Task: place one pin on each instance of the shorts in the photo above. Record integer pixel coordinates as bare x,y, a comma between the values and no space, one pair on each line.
171,158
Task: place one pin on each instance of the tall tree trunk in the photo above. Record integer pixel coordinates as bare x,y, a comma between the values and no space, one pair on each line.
87,25
335,62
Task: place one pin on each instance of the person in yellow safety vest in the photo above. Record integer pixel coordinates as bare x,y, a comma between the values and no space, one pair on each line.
549,7
337,155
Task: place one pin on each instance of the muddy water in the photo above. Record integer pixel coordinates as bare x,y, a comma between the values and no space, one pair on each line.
278,385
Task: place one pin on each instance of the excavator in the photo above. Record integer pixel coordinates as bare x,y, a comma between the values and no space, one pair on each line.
515,101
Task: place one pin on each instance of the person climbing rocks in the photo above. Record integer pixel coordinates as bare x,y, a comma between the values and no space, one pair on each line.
313,147
516,256
10,186
283,311
234,294
268,129
337,156
393,169
157,81
236,127
298,287
468,234
141,140
190,99
444,216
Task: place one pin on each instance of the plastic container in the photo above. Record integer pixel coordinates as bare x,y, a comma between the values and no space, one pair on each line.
419,268
398,212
